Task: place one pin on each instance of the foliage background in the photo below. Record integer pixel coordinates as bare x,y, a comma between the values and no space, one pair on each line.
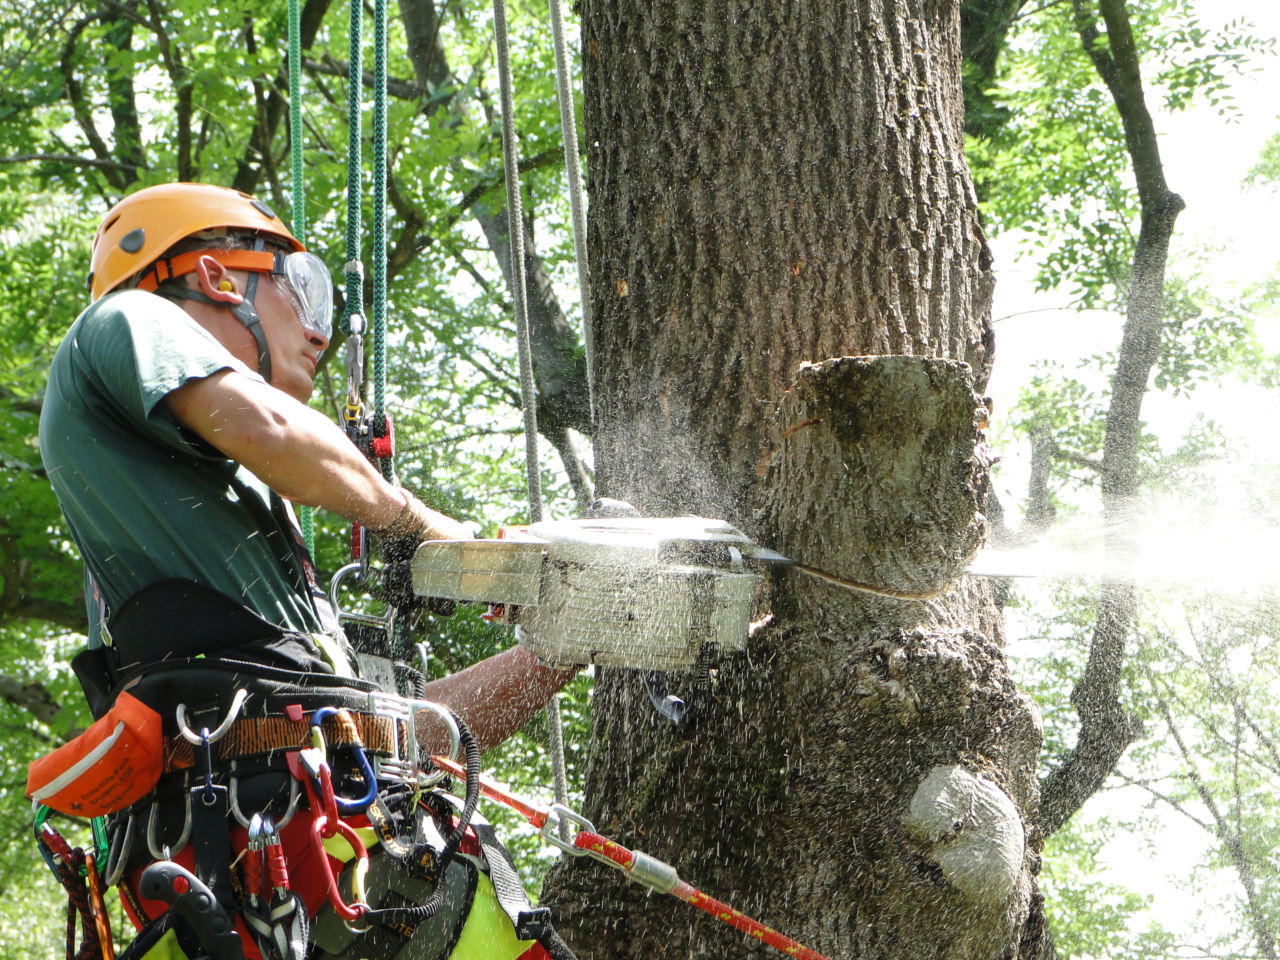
1053,177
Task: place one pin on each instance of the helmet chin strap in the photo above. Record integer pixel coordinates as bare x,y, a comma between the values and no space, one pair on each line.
243,311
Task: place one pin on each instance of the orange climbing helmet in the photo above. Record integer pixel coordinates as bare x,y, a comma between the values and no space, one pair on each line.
142,226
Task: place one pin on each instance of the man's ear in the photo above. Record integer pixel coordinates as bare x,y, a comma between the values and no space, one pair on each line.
216,282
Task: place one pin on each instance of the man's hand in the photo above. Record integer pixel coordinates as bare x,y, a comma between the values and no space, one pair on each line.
417,522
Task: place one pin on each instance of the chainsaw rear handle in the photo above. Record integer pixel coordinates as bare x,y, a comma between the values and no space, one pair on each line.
188,897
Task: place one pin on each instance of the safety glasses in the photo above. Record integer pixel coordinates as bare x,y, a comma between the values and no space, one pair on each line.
311,289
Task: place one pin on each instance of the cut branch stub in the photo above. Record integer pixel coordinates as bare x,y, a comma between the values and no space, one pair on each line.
877,475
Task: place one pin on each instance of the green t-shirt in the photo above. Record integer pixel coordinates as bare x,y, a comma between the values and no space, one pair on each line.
146,499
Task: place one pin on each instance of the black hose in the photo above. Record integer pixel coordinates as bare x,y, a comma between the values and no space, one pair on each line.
411,916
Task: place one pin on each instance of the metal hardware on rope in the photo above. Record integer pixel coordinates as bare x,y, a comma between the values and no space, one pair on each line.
569,134
638,866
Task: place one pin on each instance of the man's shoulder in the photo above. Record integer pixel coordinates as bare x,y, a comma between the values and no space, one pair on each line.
131,311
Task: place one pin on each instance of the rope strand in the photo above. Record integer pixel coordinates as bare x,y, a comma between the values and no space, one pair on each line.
515,230
306,519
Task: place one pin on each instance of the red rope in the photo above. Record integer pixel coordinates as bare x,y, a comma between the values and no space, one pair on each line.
622,857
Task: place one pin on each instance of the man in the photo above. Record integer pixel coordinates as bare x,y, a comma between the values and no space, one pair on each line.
175,433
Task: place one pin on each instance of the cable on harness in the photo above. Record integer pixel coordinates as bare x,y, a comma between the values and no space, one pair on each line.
410,916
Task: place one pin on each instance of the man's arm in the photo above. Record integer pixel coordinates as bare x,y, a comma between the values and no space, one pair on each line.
295,450
494,698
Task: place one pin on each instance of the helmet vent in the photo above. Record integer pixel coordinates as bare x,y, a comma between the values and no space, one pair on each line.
263,209
132,241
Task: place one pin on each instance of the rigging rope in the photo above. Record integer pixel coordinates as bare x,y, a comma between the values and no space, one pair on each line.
515,230
569,134
298,191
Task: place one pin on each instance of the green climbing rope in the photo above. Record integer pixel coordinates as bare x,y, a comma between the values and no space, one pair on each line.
305,514
353,271
380,222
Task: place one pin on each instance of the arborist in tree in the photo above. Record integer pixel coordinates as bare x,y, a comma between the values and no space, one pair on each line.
176,435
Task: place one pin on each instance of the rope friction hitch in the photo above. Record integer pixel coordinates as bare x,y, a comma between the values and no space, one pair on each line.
638,866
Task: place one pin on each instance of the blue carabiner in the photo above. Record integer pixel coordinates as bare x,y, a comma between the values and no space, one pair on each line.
366,768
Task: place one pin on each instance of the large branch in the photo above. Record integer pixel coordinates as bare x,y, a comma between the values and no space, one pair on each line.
32,697
558,364
71,158
81,109
264,130
171,56
1106,730
127,129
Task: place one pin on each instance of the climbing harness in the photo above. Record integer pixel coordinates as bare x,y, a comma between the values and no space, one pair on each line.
638,866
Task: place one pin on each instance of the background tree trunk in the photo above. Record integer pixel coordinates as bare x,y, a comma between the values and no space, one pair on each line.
774,184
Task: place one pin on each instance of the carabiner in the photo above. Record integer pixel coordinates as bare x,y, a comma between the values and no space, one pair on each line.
366,769
355,910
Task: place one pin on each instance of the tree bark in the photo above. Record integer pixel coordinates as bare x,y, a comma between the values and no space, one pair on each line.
776,184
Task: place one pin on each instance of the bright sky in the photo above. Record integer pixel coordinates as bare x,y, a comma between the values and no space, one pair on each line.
1205,160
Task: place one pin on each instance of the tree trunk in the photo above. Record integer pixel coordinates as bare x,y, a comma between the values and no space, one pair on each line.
775,184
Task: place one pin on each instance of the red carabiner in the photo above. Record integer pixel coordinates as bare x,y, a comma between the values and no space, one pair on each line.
355,910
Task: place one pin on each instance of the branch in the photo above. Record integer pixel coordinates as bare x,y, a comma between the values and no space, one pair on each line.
1165,798
183,86
75,94
77,161
1106,729
483,187
32,697
333,67
1244,870
1076,457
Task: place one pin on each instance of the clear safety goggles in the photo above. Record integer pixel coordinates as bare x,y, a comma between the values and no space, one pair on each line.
309,285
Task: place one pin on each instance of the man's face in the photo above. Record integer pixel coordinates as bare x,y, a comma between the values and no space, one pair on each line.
295,351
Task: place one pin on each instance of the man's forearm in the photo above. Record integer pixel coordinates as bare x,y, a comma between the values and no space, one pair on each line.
295,450
494,698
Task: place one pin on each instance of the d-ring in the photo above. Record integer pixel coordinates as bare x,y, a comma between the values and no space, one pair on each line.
194,738
294,794
156,850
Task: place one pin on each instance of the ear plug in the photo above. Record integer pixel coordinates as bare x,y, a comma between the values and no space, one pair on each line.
225,286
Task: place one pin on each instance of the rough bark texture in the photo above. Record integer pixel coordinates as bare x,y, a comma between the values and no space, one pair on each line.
886,508
775,184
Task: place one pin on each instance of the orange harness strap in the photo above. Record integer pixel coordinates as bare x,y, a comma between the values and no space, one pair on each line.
260,261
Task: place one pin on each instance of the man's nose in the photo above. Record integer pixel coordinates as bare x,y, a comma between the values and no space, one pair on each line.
317,340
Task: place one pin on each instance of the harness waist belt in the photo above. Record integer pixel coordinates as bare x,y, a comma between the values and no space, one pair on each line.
255,736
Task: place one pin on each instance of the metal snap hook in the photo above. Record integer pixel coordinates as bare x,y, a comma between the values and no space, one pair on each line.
559,813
